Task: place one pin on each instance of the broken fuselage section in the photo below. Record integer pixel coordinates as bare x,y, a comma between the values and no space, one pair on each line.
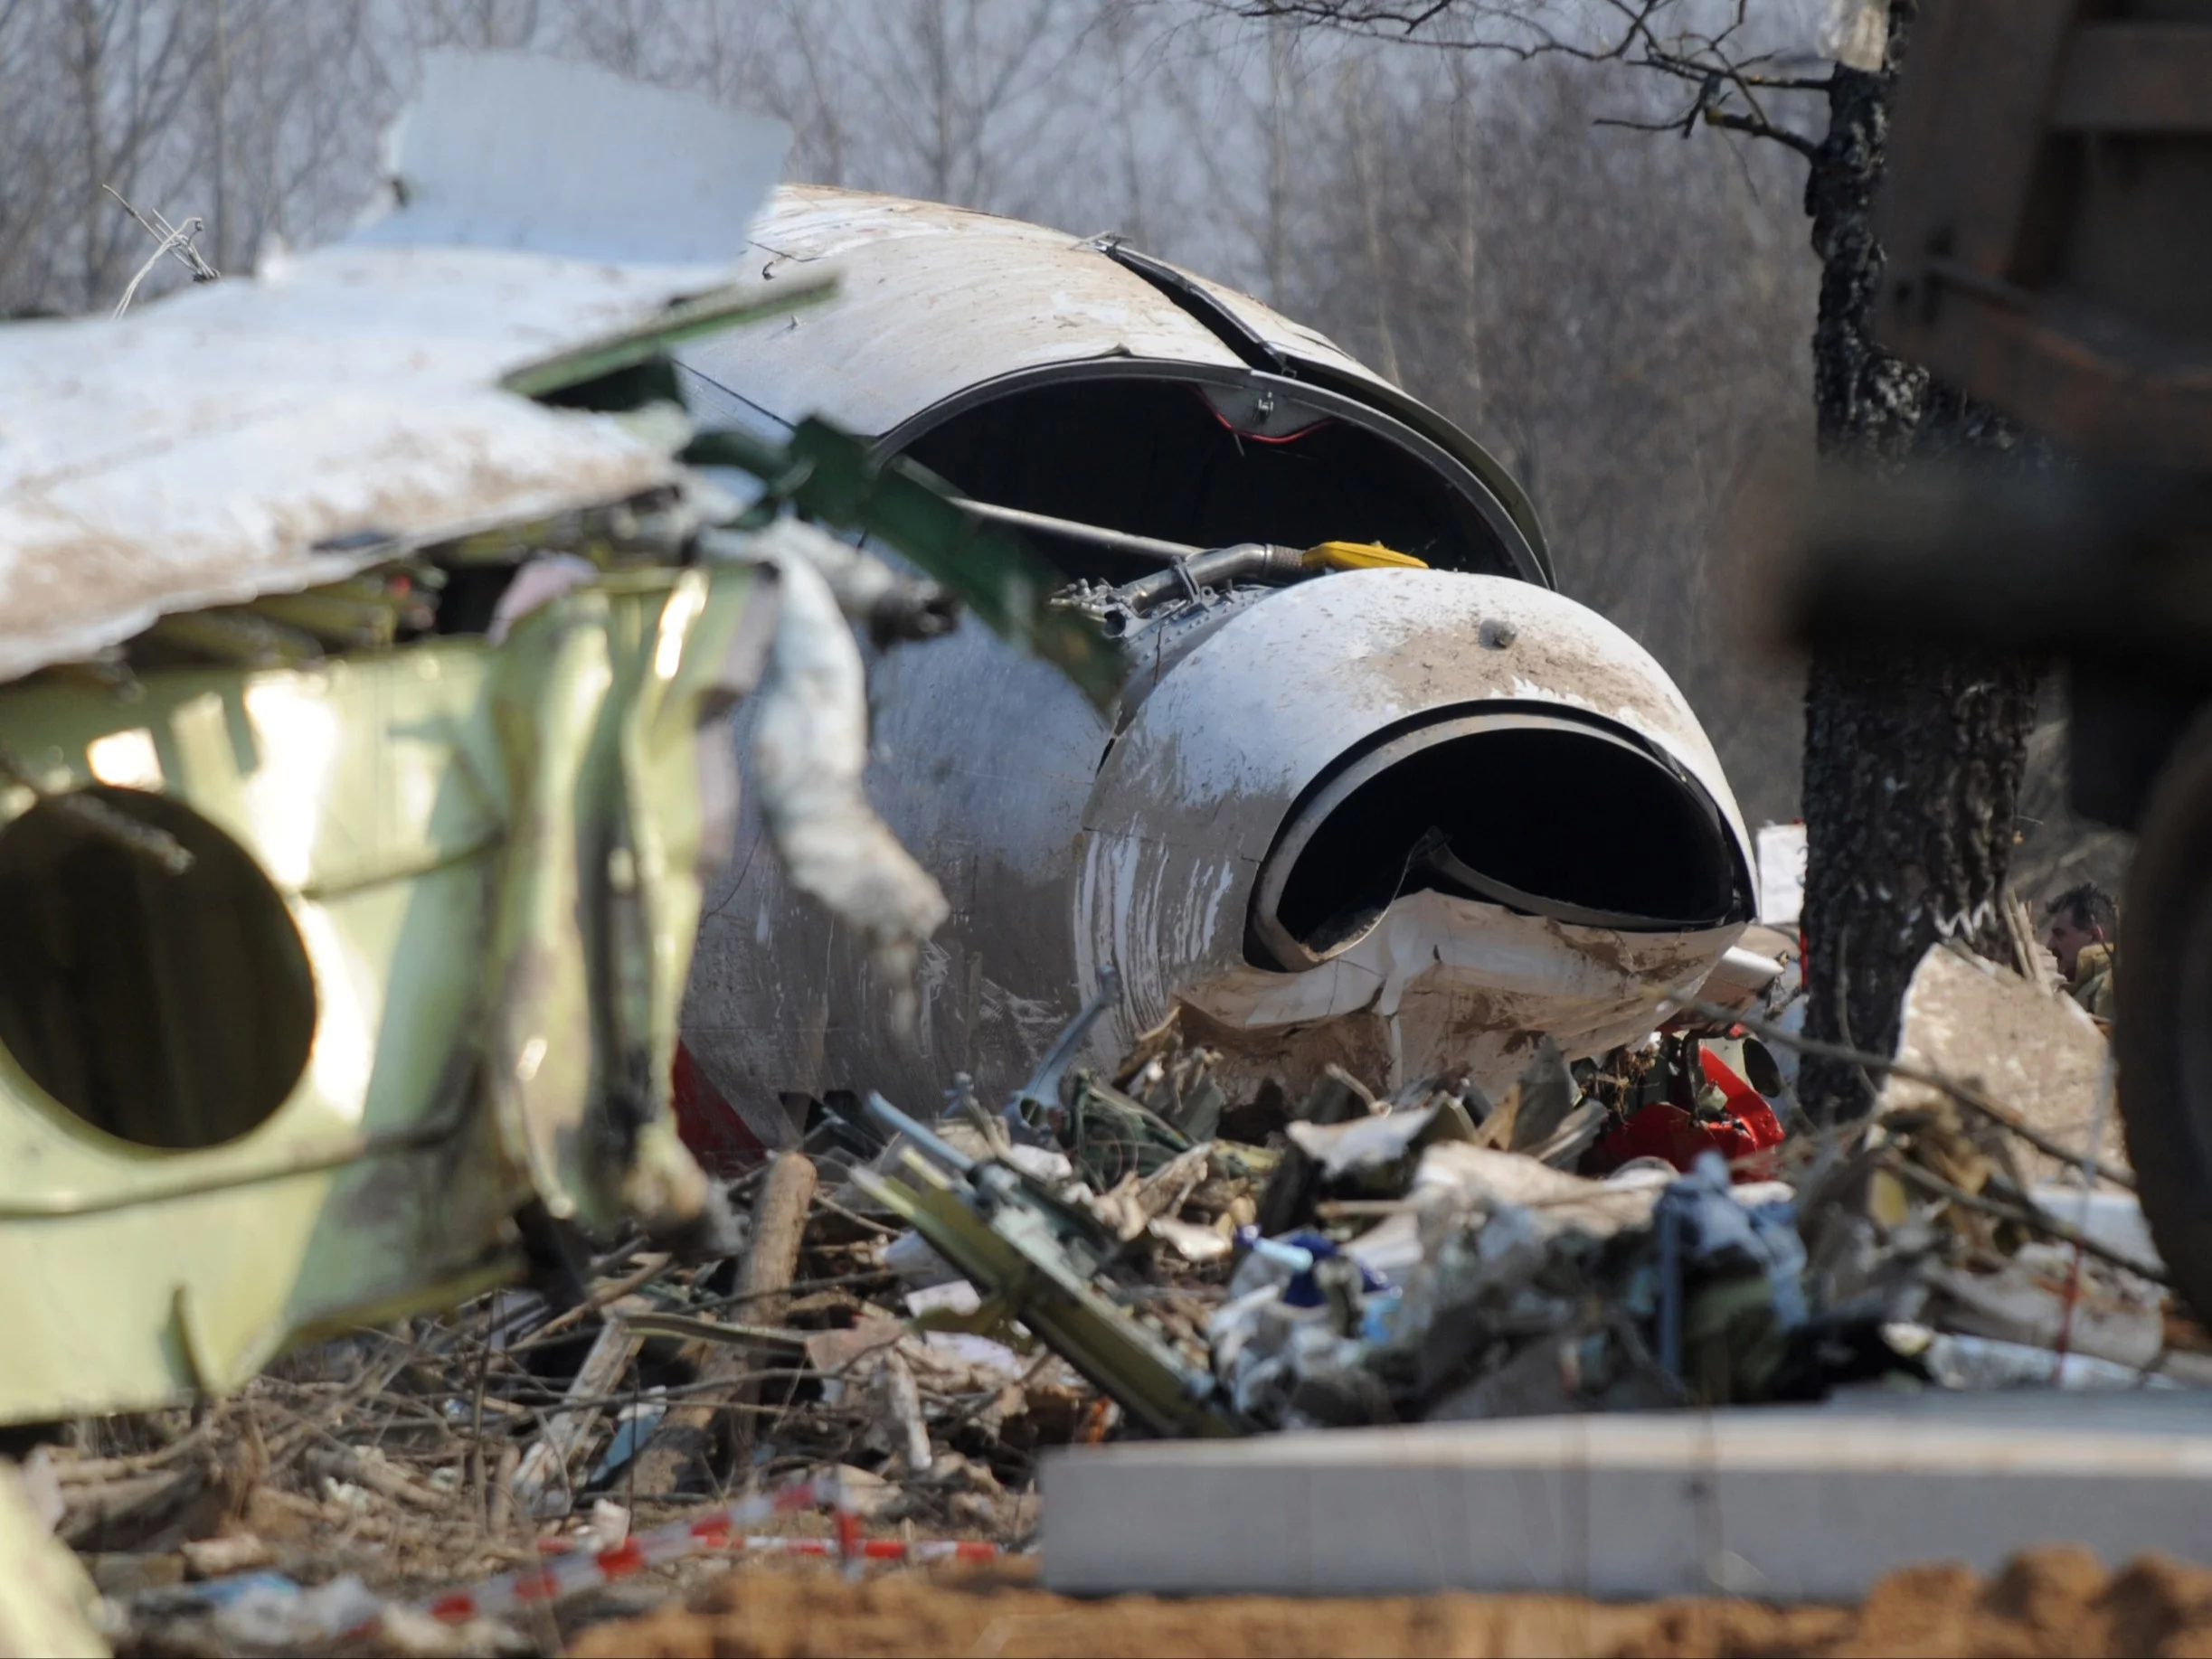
348,898
1344,810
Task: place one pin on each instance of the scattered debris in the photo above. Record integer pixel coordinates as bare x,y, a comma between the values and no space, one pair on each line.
1635,1231
1126,1268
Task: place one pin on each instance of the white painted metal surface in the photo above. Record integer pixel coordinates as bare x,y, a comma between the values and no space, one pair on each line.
942,306
998,295
1353,653
1775,1503
932,301
198,450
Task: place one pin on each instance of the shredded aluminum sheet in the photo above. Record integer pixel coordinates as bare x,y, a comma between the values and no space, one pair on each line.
809,750
1452,982
2033,1050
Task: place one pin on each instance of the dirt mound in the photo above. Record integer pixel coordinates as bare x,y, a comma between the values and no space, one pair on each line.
2046,1602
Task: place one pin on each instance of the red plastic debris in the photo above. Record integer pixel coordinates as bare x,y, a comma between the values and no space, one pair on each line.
1665,1131
708,1123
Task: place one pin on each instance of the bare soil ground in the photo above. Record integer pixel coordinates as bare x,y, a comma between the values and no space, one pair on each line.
2047,1602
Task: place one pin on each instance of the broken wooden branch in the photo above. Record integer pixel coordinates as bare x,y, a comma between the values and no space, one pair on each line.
541,1484
780,1214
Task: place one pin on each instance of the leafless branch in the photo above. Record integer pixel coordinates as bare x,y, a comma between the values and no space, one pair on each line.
1762,129
174,240
1710,59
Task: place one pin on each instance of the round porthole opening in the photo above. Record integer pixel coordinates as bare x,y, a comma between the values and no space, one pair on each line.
169,1007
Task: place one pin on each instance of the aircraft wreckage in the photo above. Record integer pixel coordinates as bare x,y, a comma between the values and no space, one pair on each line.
1374,792
375,630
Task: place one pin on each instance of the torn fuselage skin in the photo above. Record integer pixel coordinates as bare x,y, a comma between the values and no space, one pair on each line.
362,746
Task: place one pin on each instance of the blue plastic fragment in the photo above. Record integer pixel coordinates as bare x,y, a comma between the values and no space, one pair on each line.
1299,1252
221,1592
630,1435
1697,1219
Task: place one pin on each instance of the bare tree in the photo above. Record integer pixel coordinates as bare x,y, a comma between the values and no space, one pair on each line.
965,87
1912,757
256,115
1117,33
30,183
128,66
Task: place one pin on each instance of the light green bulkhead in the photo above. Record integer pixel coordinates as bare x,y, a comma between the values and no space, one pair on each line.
423,969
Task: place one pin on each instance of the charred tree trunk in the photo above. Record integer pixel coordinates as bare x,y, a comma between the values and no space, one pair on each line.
1913,756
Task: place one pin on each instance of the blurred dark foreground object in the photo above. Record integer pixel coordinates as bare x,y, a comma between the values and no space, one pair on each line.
2047,219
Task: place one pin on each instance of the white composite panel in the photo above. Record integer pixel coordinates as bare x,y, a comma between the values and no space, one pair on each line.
198,450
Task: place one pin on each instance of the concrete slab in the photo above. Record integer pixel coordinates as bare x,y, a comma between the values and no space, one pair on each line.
1784,1504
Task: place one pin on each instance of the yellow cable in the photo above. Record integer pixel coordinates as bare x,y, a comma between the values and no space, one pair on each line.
1361,556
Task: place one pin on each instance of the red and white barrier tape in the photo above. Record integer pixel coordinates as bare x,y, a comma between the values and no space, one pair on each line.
917,1549
714,1532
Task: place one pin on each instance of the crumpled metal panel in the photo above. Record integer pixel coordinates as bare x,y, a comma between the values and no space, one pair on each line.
2029,1046
1442,981
212,446
809,751
981,759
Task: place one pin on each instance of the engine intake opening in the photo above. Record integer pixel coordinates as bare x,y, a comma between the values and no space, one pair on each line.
1544,816
171,1009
